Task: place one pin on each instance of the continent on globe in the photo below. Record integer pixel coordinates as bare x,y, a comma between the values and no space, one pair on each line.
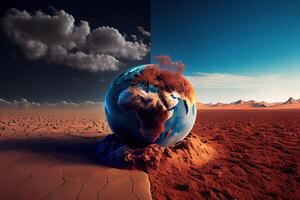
148,104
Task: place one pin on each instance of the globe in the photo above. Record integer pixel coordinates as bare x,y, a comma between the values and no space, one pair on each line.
148,104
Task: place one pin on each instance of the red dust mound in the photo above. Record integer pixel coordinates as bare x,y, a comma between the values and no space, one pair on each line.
191,151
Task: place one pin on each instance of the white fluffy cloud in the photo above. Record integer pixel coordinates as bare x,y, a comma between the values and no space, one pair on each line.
57,39
213,88
107,40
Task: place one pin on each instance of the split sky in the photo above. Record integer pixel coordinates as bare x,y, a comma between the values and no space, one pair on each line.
53,51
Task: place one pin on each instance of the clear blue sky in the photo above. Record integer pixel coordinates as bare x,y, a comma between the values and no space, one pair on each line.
241,38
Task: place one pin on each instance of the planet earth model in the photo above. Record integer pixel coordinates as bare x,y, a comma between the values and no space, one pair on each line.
147,104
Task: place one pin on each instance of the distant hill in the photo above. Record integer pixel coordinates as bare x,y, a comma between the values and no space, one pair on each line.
240,104
291,100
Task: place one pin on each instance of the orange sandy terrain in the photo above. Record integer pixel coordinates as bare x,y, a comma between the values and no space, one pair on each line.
49,155
251,154
257,157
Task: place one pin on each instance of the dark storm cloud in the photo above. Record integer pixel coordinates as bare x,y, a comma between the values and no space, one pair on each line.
57,39
143,31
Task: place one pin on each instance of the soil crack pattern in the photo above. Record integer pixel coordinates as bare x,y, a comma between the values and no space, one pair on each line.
103,187
63,178
82,187
14,163
132,187
25,180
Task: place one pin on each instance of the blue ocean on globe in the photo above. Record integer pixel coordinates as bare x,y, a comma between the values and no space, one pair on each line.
146,105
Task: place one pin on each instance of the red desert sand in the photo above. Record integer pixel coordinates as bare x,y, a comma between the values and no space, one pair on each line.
48,155
230,154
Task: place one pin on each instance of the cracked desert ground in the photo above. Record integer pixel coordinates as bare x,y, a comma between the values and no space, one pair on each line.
49,155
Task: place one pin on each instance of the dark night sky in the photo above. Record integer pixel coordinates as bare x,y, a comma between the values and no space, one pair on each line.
42,81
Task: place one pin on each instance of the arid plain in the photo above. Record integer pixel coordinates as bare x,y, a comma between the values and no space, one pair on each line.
47,154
